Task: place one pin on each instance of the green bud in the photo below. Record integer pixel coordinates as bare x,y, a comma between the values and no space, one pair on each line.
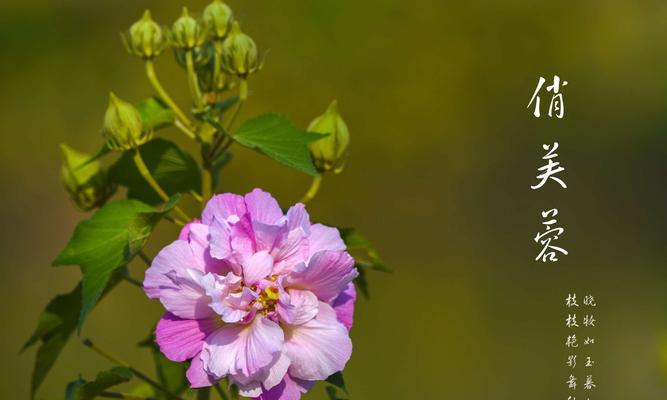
85,181
187,33
123,127
145,38
239,53
218,17
330,153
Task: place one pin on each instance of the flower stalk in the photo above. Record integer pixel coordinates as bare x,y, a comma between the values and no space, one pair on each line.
88,343
152,78
145,173
193,82
312,190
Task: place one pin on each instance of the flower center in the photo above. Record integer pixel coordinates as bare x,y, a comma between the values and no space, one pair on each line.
268,299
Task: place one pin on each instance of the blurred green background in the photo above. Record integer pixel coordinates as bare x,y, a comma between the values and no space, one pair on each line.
443,154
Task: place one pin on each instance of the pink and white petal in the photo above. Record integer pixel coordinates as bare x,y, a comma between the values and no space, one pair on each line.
291,249
197,376
324,237
183,235
242,239
267,236
277,371
344,305
176,257
326,275
186,298
181,339
257,267
221,239
224,207
305,305
287,389
263,208
243,349
318,348
236,306
298,218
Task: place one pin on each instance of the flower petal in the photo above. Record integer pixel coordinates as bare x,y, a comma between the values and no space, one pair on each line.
344,305
177,256
318,348
326,275
243,349
197,376
224,207
258,266
288,389
263,208
186,298
323,237
181,339
304,306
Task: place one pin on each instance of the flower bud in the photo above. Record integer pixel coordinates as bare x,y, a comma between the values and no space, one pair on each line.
145,38
330,153
187,33
239,53
123,127
85,181
218,17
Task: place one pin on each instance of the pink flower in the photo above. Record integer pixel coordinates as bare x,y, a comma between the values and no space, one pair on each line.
259,297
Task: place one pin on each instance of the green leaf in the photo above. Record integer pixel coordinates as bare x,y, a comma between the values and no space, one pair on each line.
170,374
82,390
174,169
367,257
108,241
155,114
56,324
275,136
337,380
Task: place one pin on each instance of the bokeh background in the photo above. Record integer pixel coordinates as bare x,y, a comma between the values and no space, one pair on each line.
444,151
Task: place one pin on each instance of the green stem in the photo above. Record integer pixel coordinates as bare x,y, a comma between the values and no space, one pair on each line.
145,258
243,95
312,190
143,170
88,343
193,83
126,396
150,73
131,280
221,391
207,184
216,67
178,124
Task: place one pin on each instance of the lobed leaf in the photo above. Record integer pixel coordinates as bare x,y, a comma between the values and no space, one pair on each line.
275,136
174,169
155,114
82,390
106,242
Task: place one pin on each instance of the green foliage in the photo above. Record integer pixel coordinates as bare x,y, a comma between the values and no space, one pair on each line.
170,374
275,136
338,381
365,255
82,390
333,393
155,114
108,241
173,169
56,324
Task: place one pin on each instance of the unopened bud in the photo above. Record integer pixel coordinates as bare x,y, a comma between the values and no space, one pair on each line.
239,53
123,127
330,153
218,18
187,33
145,38
85,181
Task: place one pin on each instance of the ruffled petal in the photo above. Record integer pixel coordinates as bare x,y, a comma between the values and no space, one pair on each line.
186,298
177,256
257,267
181,339
318,348
323,237
326,275
224,207
304,306
263,208
344,305
288,389
197,376
243,349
